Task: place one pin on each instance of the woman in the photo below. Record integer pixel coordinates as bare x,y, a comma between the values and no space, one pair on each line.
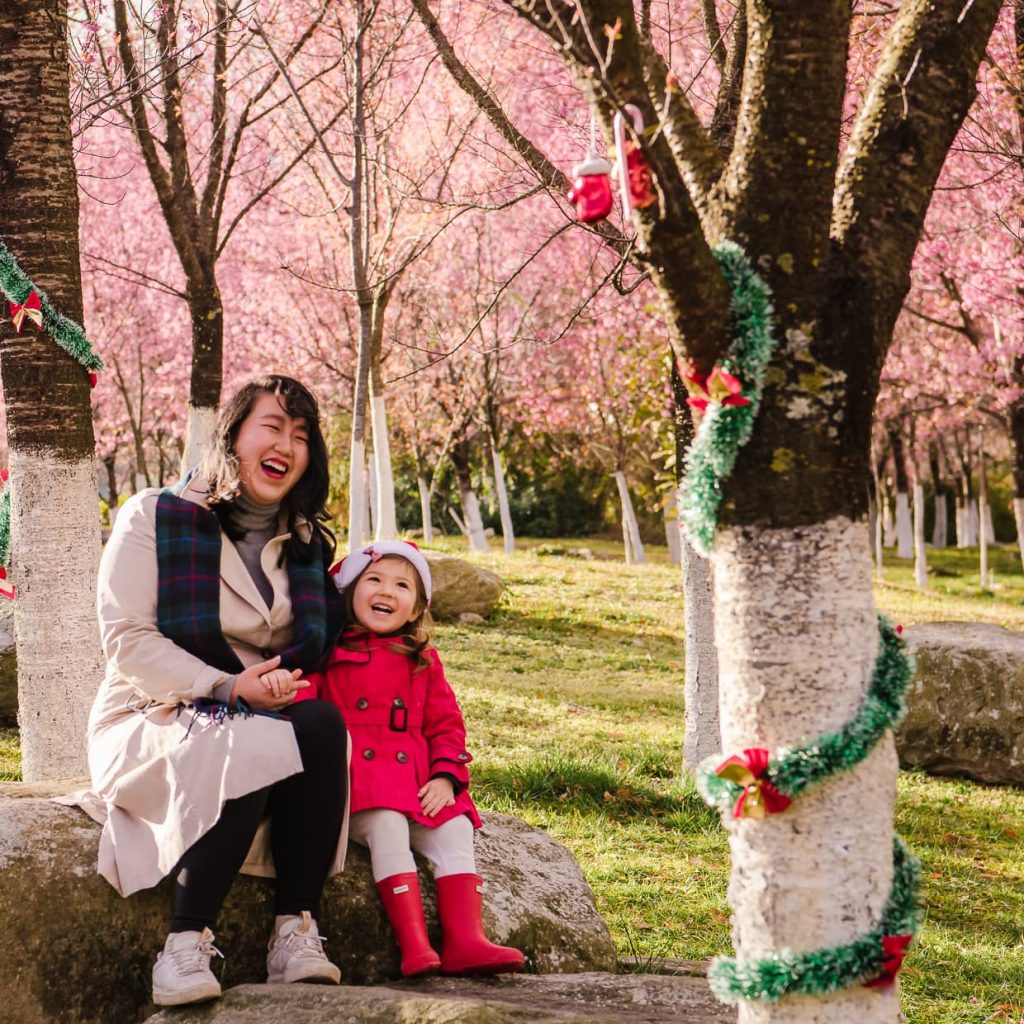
210,594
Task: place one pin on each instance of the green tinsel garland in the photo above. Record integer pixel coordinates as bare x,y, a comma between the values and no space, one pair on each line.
829,969
793,769
15,284
725,429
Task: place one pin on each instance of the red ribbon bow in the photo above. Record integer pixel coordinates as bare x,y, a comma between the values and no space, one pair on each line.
32,309
759,797
894,949
719,387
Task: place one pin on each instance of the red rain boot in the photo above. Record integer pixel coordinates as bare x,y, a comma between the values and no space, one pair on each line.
465,949
400,895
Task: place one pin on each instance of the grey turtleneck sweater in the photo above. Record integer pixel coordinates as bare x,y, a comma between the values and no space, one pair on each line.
260,525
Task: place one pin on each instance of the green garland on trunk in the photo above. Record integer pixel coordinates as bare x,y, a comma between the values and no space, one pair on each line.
790,772
17,286
724,429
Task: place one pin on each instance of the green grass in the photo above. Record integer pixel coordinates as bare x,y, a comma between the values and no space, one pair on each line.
573,697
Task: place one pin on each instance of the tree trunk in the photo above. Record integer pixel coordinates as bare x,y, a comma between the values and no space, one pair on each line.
428,524
207,314
113,498
507,531
630,528
767,581
672,530
385,526
940,533
702,736
55,529
357,497
473,521
982,516
1017,449
920,554
904,526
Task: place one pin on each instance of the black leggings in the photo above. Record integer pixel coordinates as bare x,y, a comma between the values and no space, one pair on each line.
306,812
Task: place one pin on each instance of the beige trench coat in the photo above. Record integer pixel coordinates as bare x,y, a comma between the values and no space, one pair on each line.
159,778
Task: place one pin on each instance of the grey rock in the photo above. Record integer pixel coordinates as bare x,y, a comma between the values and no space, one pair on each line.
966,705
83,954
8,666
460,587
471,619
559,999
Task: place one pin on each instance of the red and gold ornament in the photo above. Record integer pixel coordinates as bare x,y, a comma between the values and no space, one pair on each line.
759,797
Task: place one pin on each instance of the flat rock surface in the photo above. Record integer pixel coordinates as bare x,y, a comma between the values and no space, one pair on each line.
461,587
593,998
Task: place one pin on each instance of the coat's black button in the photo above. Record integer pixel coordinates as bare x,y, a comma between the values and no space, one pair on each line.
362,703
369,754
401,757
398,702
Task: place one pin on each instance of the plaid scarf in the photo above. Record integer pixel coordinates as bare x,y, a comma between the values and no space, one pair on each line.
188,546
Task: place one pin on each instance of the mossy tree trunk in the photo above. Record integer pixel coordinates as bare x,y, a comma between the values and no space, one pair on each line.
794,617
55,529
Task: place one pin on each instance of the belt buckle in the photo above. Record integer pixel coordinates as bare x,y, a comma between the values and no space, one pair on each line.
393,723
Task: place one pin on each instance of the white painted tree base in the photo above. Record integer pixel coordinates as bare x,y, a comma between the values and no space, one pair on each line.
904,527
202,420
941,521
702,736
356,495
920,551
474,523
385,525
1018,518
428,525
507,532
797,638
55,548
630,528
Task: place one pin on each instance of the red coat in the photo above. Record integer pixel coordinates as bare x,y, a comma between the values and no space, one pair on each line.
406,727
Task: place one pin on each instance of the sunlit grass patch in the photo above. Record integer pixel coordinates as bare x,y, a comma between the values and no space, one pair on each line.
10,756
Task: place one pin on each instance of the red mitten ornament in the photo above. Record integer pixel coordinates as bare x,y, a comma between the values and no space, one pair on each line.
635,179
591,189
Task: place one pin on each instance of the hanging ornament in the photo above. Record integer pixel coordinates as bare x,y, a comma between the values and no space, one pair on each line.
759,797
719,387
591,190
635,178
894,951
31,309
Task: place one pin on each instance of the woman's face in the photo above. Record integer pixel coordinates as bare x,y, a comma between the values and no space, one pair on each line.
272,450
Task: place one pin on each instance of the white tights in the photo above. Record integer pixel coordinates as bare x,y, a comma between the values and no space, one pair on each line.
391,838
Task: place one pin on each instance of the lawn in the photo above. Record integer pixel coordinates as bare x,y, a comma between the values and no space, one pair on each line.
573,698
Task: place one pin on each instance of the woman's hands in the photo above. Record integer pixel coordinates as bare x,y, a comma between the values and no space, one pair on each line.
265,687
435,795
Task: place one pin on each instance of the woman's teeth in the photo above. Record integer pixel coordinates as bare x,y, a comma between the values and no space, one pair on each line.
276,469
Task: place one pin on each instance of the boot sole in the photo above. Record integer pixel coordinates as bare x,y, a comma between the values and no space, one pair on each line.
500,968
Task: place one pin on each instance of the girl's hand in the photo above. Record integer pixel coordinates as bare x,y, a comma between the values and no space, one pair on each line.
435,795
282,682
249,687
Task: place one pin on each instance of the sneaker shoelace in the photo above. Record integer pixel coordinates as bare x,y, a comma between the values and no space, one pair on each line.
194,958
303,941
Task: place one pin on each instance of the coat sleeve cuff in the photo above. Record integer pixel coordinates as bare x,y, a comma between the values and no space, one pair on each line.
457,784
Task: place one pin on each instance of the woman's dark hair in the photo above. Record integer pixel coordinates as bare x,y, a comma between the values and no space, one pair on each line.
307,500
414,637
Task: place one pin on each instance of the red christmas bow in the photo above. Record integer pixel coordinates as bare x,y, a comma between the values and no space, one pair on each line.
718,387
759,797
894,949
32,309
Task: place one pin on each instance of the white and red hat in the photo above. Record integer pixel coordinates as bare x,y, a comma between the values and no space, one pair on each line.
350,568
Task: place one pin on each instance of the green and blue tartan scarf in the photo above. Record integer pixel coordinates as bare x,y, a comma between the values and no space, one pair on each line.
188,547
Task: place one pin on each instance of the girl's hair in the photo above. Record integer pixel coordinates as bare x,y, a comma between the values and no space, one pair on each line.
415,635
307,499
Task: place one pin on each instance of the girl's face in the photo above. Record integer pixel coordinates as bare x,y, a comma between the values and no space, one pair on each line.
272,450
385,596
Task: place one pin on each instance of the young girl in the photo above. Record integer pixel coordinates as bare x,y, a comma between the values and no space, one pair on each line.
409,777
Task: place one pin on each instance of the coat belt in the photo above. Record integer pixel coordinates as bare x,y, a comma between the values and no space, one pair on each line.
398,719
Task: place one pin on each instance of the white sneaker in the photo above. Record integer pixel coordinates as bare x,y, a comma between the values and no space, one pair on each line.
182,972
297,953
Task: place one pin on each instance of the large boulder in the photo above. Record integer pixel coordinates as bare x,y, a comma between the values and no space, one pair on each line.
460,586
83,954
8,666
551,999
966,705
